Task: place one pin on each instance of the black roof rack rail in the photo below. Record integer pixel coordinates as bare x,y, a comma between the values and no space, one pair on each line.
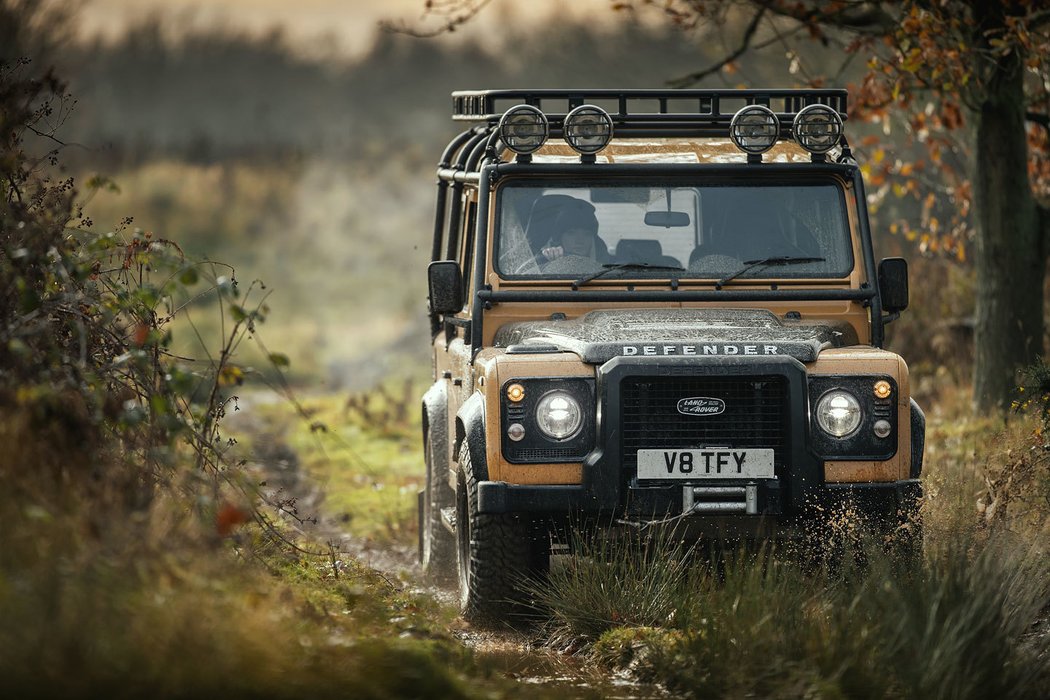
652,109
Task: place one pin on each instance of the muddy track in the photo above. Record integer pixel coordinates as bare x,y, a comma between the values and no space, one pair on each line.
516,653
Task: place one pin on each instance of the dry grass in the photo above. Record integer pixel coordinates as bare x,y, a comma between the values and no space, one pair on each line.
968,621
163,602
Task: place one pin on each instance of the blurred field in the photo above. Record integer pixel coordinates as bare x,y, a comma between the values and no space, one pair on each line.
339,250
309,172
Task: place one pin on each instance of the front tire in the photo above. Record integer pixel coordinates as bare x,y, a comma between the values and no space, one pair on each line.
498,555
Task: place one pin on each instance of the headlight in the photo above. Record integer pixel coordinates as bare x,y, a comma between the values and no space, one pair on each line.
838,413
558,415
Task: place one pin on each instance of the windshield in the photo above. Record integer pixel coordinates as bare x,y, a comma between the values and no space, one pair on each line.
707,230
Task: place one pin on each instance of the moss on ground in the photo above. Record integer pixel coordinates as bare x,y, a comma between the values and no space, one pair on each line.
363,450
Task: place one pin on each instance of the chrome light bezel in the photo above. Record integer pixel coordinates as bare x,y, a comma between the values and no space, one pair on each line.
853,406
546,407
754,129
582,119
529,118
817,128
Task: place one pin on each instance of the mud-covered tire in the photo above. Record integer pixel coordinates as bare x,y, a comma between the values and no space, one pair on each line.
498,554
438,544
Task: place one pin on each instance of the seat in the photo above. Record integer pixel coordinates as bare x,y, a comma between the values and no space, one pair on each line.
644,250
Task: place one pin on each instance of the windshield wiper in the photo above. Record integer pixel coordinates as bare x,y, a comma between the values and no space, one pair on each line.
611,267
761,262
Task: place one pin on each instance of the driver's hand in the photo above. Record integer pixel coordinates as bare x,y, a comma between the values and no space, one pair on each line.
552,252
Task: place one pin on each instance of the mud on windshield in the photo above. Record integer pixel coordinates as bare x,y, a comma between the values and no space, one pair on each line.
702,230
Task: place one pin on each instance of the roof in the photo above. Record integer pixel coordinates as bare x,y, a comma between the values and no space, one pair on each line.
669,150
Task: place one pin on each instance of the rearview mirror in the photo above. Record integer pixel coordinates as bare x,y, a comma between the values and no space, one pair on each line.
893,284
667,219
445,281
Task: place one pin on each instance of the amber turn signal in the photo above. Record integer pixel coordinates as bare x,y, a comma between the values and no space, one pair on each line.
882,389
515,393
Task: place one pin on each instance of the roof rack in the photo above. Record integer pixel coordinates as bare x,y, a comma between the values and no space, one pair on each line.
702,109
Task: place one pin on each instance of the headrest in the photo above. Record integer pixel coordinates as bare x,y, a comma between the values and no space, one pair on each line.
639,249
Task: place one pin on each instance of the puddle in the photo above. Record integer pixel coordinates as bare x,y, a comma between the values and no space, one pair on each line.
553,674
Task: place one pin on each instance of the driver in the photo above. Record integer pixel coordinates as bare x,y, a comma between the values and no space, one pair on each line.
575,233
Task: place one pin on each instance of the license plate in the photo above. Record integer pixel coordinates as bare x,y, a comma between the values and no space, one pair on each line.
706,463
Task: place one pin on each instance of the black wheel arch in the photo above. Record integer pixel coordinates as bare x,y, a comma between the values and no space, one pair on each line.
918,440
435,413
470,435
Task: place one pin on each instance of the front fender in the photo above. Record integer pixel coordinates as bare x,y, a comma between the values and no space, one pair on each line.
918,440
435,419
470,435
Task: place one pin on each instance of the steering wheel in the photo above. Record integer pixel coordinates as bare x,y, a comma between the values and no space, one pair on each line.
571,265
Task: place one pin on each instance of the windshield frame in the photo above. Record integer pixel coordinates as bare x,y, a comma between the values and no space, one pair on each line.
861,289
565,177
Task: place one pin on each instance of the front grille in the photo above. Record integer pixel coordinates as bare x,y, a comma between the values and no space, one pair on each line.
756,414
548,455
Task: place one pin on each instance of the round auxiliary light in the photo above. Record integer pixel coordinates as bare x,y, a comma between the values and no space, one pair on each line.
754,129
817,128
558,415
523,129
882,428
515,393
588,129
838,413
882,389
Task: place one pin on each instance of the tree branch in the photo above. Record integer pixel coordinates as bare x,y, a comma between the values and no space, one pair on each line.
1038,19
455,19
861,18
745,46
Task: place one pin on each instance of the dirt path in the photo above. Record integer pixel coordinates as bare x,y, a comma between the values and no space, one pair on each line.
516,654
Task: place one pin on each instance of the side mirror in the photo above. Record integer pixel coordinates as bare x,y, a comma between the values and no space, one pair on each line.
893,284
445,281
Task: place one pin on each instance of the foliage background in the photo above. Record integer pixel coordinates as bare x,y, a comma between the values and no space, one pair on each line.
231,142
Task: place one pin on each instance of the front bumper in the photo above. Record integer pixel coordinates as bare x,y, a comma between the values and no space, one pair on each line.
885,499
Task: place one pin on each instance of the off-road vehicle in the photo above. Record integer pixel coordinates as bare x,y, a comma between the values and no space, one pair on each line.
651,305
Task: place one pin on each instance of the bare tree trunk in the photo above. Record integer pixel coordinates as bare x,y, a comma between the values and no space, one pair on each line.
1009,260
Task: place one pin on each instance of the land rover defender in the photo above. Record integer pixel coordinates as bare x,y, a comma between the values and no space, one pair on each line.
650,305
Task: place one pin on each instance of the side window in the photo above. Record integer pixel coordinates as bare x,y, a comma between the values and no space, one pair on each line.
453,221
466,254
441,229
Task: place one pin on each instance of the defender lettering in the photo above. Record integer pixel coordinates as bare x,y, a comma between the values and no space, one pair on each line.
693,349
